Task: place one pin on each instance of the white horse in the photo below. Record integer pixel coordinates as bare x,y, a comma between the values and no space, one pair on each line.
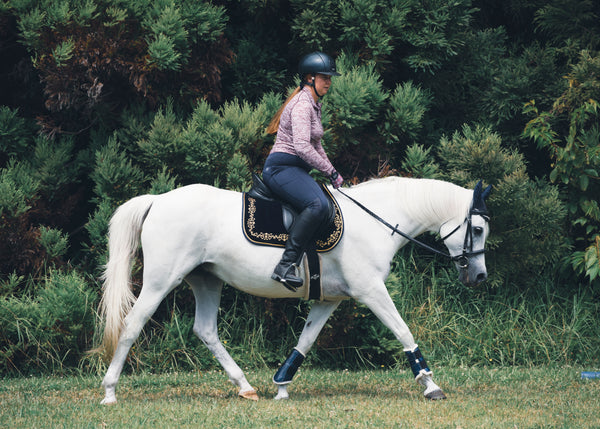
193,233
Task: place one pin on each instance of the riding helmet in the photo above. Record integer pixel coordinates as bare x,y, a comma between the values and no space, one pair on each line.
317,62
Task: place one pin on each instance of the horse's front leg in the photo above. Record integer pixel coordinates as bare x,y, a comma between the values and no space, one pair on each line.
318,315
377,298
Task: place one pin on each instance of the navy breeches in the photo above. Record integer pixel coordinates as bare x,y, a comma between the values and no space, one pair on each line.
287,176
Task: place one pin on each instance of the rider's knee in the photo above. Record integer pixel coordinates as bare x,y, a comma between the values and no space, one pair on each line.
319,209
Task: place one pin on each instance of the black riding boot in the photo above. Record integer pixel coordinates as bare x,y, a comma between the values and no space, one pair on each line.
300,234
285,271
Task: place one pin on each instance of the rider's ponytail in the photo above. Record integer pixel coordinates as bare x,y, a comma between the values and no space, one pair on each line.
274,124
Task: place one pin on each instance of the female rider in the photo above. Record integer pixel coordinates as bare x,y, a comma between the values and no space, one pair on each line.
296,151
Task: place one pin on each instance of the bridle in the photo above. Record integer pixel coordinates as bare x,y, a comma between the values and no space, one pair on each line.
461,260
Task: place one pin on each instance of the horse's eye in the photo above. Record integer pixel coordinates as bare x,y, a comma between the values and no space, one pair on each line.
478,230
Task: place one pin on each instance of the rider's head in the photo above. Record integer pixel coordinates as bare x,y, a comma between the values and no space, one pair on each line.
315,70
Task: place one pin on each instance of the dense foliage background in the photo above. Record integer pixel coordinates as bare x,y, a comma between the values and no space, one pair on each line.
102,100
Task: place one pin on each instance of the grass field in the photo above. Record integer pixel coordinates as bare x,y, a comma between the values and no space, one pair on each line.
480,397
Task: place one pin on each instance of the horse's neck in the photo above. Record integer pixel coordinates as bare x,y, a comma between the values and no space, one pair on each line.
432,202
423,205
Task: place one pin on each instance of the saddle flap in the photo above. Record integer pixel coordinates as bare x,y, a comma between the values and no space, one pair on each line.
288,217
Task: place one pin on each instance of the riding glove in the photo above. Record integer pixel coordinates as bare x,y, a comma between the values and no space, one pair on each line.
336,179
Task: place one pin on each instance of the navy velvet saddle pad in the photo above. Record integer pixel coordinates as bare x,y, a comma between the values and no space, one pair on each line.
263,223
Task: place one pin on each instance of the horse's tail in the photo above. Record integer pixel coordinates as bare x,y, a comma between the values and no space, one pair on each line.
123,241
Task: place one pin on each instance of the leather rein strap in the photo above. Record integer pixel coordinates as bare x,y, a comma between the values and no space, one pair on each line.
462,259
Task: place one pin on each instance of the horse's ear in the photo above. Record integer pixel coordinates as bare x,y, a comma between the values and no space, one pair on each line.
486,192
479,196
477,191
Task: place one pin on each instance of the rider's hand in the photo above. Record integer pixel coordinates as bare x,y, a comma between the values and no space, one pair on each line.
336,179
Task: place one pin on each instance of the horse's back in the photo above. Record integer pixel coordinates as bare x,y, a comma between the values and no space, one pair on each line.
196,200
191,214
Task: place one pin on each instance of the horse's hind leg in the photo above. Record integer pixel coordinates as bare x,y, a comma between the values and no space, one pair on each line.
144,307
207,291
318,315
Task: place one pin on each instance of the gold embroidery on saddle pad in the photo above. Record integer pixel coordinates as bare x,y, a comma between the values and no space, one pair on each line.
261,237
271,232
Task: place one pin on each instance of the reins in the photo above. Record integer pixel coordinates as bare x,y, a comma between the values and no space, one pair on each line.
462,259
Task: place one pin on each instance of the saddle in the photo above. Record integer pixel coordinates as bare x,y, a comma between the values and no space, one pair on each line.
267,220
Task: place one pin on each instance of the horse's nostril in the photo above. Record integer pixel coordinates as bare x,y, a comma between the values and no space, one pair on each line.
481,277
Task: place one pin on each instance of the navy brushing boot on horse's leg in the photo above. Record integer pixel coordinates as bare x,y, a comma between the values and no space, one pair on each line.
423,375
316,319
379,301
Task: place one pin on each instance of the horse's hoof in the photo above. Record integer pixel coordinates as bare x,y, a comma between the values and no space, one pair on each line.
282,393
109,401
250,394
436,395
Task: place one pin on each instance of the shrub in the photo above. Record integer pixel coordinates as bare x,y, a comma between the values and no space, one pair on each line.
210,146
54,165
419,163
404,117
115,177
164,143
20,250
97,229
54,242
94,57
354,102
352,110
14,135
222,146
420,35
49,331
18,189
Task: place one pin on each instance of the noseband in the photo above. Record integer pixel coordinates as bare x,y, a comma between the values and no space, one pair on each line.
461,260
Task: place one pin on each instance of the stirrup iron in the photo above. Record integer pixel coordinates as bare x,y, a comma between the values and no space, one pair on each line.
289,280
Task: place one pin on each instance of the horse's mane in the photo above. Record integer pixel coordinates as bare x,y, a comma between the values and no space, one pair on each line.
433,202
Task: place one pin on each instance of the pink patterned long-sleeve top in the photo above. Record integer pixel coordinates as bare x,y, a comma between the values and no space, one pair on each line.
300,132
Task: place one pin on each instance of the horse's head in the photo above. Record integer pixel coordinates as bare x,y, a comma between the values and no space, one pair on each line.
466,243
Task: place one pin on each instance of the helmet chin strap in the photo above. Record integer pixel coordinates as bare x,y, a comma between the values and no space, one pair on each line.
312,84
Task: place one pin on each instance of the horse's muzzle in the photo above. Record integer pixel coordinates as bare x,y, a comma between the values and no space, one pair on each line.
468,278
